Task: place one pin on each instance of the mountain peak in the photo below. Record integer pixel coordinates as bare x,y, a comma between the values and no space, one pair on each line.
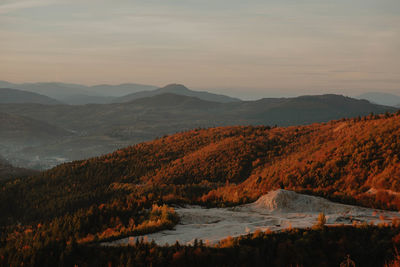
174,87
178,89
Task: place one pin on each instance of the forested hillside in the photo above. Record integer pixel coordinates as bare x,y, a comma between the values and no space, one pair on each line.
7,171
20,130
123,193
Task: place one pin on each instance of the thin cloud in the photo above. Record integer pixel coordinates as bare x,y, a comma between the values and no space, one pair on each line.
226,43
11,7
394,81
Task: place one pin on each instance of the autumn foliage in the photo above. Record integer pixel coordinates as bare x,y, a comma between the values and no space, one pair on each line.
127,192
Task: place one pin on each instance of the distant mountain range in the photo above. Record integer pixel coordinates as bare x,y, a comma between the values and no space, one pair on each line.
172,109
18,96
382,98
177,89
75,132
75,94
54,90
120,90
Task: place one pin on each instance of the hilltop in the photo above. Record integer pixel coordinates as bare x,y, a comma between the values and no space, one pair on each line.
177,89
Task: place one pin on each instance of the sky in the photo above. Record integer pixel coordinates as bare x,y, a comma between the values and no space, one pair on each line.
250,49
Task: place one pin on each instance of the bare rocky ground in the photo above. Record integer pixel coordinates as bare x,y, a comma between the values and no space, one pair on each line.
275,211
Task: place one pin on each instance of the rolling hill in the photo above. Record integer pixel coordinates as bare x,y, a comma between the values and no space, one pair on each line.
8,96
20,134
18,128
51,89
177,89
381,98
155,116
341,159
77,94
100,129
83,99
7,171
120,90
105,94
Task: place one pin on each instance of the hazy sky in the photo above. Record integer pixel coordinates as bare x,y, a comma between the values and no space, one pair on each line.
253,48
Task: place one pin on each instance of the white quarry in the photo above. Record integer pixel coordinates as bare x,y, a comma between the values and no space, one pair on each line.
275,211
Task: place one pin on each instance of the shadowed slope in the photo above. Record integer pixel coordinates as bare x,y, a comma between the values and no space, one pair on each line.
19,96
